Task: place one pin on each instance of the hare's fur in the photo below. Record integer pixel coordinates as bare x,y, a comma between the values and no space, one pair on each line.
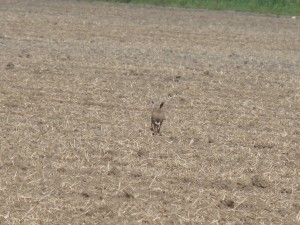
157,118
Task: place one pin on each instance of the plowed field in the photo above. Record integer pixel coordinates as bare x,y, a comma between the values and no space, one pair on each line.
76,82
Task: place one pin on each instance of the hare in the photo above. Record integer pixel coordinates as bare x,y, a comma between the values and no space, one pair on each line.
157,118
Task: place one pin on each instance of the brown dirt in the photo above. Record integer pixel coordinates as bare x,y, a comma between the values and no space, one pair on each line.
76,147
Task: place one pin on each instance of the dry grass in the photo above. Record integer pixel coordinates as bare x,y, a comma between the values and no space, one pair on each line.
76,147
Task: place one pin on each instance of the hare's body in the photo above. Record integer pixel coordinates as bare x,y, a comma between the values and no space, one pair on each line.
157,118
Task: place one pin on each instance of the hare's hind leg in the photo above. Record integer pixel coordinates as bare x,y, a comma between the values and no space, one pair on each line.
151,127
158,129
155,129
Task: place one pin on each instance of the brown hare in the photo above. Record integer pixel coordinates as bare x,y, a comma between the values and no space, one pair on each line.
157,118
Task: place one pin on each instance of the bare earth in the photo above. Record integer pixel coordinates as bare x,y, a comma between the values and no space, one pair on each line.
76,80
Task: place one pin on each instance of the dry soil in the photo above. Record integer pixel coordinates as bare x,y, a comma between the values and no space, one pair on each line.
76,82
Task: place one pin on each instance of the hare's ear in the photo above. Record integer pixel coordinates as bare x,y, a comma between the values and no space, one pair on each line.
161,105
153,104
